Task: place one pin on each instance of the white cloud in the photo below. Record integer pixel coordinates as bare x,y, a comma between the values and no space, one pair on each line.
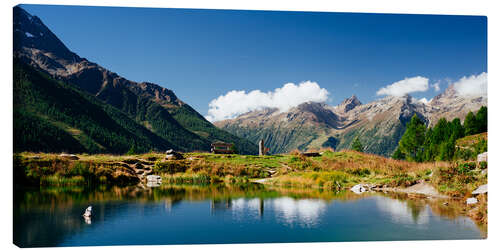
405,86
423,100
435,86
237,102
474,85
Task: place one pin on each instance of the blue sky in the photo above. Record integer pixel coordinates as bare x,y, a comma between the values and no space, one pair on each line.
203,54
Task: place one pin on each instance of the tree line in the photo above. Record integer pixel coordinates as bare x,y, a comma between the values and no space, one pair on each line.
421,144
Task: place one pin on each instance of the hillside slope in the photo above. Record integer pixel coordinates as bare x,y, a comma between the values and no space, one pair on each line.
52,116
156,108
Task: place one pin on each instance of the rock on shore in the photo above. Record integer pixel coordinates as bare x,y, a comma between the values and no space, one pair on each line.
481,189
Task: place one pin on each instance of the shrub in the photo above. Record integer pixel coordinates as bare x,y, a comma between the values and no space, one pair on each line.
169,167
79,169
403,179
483,165
466,167
362,172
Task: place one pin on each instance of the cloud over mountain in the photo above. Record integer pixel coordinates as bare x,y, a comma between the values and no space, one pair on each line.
436,86
474,85
405,86
237,102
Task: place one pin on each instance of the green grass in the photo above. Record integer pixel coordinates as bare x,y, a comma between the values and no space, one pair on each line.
269,161
332,170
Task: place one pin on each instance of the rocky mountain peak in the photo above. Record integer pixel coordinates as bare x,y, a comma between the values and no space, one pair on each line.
159,94
33,39
449,94
348,104
36,45
316,112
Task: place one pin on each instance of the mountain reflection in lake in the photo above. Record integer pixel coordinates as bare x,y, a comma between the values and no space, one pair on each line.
227,214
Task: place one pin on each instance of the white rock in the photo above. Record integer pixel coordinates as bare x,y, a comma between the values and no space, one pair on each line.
471,201
358,189
153,178
481,189
69,156
482,157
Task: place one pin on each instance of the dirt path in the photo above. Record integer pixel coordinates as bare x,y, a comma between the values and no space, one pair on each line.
420,188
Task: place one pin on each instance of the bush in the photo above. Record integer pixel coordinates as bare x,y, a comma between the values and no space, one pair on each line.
466,167
483,165
403,179
169,167
79,169
362,172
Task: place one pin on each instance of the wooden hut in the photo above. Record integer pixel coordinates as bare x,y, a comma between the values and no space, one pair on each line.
222,148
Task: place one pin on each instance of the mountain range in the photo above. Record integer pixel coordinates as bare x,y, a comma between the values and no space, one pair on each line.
379,124
63,102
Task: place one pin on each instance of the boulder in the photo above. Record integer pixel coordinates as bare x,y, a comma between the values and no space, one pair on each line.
153,181
481,189
173,155
359,188
482,157
69,156
311,154
471,201
153,178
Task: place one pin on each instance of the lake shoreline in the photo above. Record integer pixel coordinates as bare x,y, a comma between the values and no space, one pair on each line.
329,171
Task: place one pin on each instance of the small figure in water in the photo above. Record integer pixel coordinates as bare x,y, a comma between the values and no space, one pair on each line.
88,212
87,215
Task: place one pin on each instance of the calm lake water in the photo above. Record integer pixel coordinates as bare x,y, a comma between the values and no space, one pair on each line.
227,214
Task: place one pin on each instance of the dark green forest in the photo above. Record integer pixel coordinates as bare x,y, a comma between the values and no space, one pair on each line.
54,116
438,143
51,116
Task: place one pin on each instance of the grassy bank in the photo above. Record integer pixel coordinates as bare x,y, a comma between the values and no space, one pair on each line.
331,170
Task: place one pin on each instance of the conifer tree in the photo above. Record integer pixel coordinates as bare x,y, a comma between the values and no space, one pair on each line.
470,125
482,120
357,146
457,130
398,155
412,141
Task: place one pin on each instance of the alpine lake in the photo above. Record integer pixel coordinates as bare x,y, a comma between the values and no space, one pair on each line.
217,214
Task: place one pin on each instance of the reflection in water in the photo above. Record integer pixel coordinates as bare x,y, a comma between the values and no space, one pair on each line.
243,208
227,214
87,220
404,212
307,211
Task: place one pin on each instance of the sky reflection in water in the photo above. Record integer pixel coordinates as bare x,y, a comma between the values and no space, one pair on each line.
183,215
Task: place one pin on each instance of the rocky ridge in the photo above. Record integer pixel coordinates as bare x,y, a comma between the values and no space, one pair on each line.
379,124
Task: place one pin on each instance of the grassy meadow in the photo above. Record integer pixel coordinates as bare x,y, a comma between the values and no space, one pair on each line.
331,170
